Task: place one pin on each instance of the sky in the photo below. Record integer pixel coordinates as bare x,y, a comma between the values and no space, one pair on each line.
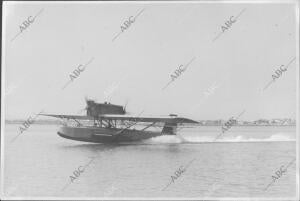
225,76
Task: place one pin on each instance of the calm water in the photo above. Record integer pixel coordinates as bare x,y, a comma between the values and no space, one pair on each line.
240,164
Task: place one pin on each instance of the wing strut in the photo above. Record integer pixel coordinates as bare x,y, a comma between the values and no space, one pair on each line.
148,126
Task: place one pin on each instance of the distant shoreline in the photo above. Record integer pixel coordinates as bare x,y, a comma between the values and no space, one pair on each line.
201,123
42,122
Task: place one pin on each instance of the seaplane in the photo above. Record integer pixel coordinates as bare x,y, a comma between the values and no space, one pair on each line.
109,123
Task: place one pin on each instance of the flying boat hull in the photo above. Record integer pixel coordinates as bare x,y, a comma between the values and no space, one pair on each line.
105,135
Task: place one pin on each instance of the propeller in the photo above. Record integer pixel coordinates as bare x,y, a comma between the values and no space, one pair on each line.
82,110
86,107
124,108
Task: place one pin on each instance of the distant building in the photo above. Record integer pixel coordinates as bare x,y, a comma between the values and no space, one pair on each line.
261,122
247,122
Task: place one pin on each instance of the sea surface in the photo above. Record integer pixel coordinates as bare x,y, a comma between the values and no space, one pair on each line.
239,164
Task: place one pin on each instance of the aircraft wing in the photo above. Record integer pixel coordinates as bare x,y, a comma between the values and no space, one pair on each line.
69,116
165,119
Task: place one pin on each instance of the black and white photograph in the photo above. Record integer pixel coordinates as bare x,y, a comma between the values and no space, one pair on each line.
150,100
